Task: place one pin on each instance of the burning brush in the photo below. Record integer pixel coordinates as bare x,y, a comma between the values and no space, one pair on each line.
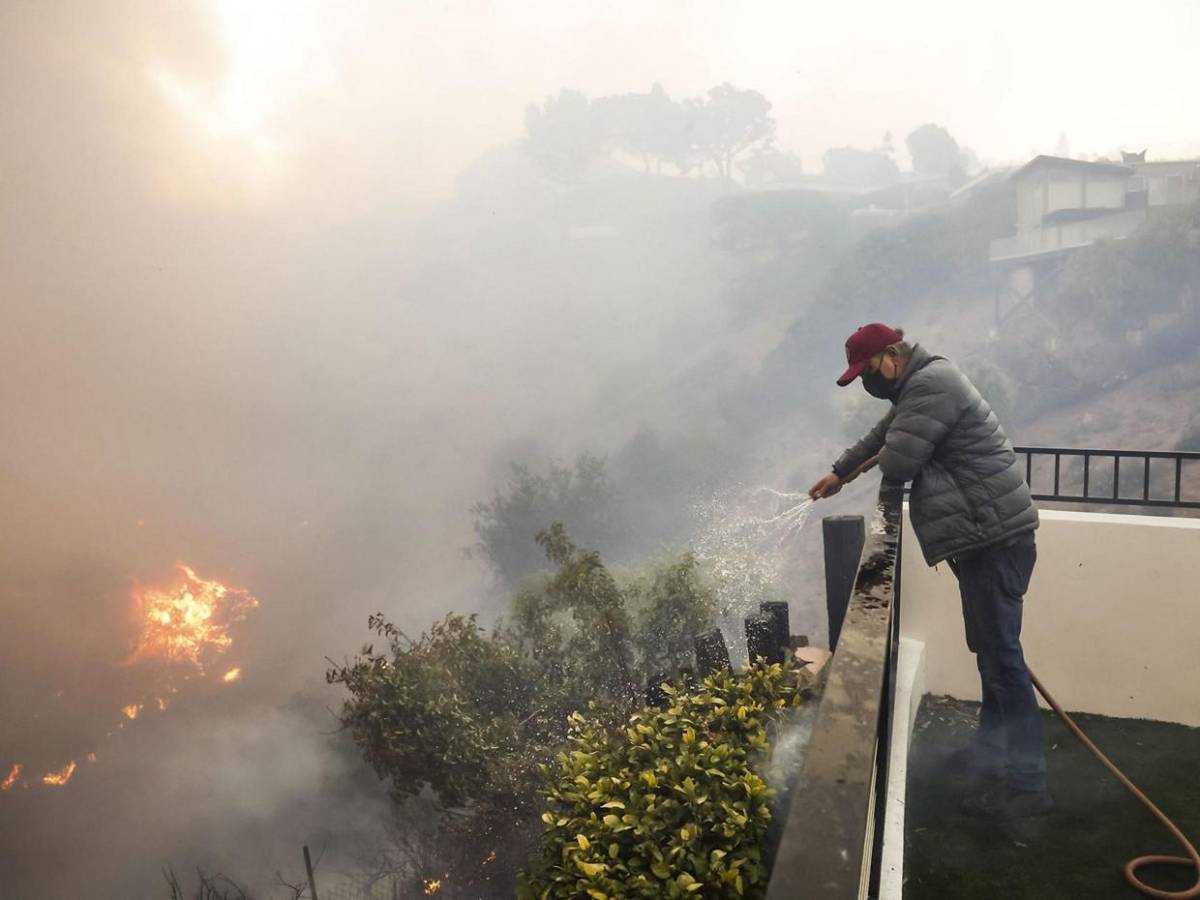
184,627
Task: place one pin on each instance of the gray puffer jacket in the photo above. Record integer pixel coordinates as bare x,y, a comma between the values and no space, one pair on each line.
968,489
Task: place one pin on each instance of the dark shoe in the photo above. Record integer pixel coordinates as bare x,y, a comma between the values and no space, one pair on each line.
965,762
1001,801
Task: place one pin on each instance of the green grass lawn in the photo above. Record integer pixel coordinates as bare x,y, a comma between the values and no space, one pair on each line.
1076,851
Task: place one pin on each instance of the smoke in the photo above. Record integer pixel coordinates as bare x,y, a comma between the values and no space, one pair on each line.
234,791
280,298
235,336
202,368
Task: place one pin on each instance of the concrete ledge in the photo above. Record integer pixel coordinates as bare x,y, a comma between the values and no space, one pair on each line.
910,688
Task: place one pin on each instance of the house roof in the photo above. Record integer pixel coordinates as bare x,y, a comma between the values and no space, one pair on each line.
1062,162
979,180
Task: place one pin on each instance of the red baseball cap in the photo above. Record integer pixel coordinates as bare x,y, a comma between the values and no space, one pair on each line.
865,343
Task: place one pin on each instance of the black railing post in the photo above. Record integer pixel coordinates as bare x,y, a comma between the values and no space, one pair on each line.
711,653
760,639
844,537
777,610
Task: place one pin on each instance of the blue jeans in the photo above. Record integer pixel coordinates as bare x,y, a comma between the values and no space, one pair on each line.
992,583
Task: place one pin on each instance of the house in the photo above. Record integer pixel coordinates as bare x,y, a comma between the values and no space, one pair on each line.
1064,204
1067,203
982,180
1165,183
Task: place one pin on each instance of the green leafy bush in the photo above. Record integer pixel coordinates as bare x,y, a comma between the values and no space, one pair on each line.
672,804
462,718
443,711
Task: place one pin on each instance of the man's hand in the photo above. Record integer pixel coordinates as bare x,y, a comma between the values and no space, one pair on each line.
826,487
831,483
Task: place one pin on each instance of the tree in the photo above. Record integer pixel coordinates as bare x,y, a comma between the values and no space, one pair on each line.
675,606
867,168
581,497
934,151
603,627
728,123
560,135
769,165
648,126
672,140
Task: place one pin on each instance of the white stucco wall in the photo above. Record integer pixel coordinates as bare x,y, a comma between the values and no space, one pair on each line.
1111,620
1105,191
1030,201
1066,190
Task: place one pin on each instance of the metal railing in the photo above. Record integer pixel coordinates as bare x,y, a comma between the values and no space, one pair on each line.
1157,476
831,844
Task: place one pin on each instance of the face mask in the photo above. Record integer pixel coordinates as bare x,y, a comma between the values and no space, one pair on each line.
877,386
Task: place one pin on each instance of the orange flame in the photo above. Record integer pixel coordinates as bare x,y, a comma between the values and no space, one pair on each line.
62,776
433,885
13,775
186,623
189,621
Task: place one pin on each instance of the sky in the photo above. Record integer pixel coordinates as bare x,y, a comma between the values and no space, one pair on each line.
266,94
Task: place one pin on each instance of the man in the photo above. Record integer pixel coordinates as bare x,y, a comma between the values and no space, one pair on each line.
970,506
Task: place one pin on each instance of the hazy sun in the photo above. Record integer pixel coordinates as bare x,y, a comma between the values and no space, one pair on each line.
273,53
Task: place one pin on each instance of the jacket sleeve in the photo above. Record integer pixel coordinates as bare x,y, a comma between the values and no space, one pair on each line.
922,418
865,448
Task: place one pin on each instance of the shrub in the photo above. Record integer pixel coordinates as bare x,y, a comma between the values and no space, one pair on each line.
461,718
672,804
674,604
1125,285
